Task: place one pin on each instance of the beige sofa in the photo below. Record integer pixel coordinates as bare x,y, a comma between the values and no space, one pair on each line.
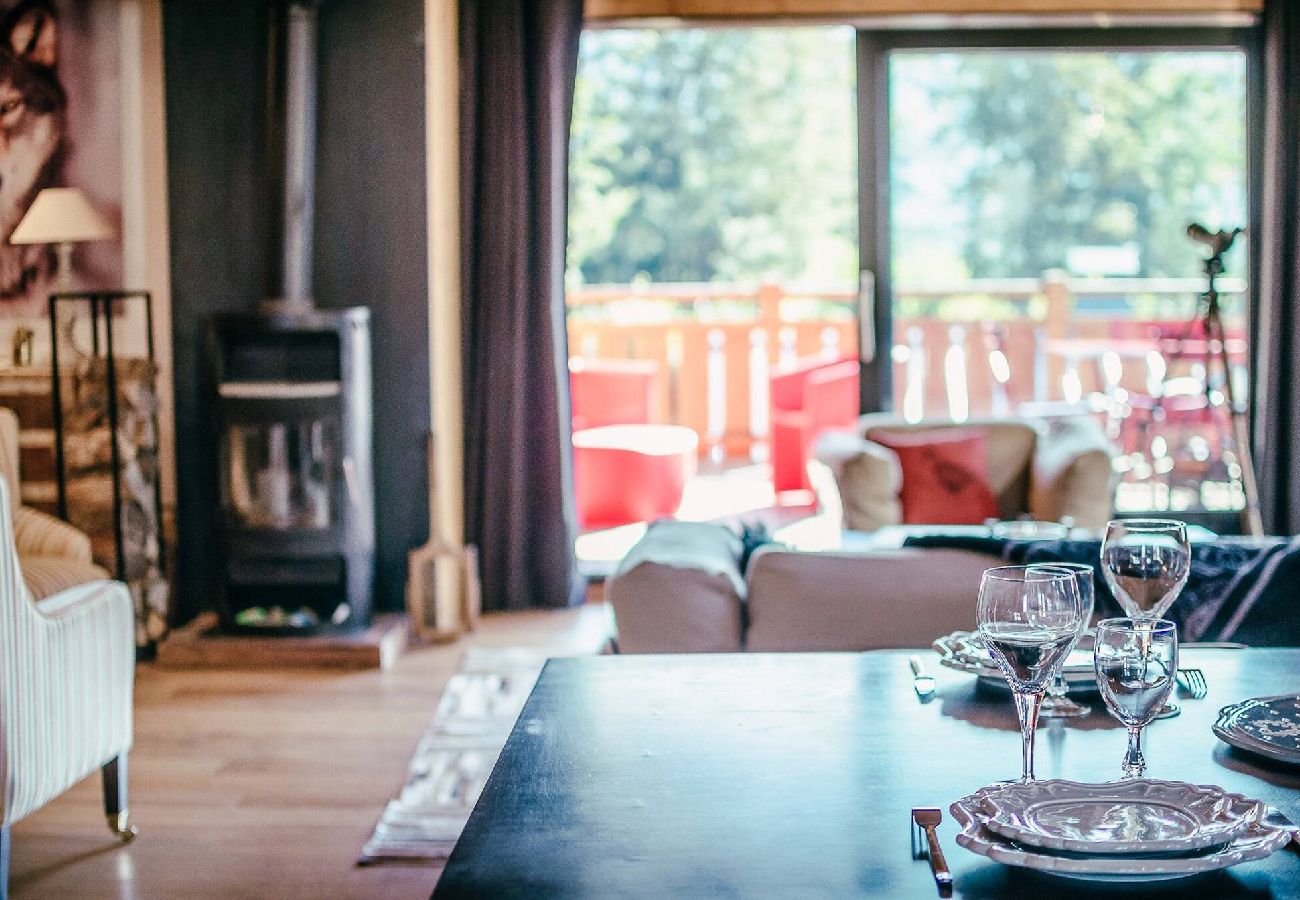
1046,469
681,590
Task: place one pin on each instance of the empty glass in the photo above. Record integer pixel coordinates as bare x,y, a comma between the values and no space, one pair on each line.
1029,618
1057,703
1146,563
1135,661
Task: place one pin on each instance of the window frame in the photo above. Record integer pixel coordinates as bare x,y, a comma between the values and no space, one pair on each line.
873,53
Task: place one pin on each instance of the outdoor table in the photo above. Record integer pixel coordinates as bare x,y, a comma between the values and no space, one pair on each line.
793,775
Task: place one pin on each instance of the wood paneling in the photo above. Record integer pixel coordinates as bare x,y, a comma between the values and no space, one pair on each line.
615,10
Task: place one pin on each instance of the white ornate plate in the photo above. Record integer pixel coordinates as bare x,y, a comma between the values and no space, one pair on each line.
1256,842
1269,726
964,651
1144,815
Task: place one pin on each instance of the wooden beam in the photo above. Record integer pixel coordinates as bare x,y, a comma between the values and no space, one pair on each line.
622,10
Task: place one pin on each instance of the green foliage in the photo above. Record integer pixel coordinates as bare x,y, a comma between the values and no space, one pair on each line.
1060,150
713,155
729,155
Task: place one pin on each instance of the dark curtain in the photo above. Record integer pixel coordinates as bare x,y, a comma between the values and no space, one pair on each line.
518,64
1277,275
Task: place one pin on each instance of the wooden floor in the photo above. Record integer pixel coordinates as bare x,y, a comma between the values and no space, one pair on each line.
264,784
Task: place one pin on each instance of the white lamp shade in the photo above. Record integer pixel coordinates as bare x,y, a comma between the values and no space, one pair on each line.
61,216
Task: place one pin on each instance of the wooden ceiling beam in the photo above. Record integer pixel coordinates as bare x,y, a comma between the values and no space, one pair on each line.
598,11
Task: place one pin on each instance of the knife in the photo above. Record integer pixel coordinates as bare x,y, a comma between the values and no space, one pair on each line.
923,684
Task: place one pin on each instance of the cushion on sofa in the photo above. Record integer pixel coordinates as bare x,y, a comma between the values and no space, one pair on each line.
866,478
1010,446
1072,474
945,476
679,590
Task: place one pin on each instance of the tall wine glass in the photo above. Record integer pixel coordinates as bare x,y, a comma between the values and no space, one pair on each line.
1057,703
1146,563
1135,661
1029,617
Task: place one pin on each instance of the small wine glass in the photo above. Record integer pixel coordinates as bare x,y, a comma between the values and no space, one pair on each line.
1057,703
1146,563
1135,661
1029,617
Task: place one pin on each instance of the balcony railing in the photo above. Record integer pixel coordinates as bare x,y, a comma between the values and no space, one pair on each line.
980,347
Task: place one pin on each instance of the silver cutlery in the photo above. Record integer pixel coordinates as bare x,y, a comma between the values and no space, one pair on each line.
923,683
1193,681
926,819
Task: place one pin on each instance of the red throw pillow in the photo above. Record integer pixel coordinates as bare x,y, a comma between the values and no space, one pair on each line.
945,476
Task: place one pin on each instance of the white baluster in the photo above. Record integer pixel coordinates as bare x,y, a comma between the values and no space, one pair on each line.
954,375
831,342
914,388
788,341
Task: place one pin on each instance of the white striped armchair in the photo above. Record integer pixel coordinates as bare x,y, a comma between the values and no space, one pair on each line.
67,668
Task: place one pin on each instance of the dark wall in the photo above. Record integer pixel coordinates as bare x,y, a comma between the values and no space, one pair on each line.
371,246
215,58
370,240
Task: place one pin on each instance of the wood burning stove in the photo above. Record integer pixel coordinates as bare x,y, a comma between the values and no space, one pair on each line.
297,492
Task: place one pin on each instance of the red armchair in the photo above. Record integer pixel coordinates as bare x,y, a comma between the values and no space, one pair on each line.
813,397
612,392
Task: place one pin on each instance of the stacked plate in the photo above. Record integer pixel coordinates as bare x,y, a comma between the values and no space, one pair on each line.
965,652
1269,726
1133,831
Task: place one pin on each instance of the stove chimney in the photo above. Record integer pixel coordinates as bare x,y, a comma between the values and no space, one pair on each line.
291,154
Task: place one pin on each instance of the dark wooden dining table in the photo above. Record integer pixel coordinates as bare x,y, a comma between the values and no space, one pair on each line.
793,775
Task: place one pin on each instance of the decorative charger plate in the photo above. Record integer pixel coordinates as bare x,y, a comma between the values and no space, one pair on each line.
1141,816
964,651
1269,726
1258,841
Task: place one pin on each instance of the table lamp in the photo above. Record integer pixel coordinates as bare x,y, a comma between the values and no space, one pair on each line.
63,217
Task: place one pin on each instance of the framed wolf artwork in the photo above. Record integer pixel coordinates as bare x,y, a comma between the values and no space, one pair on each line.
60,125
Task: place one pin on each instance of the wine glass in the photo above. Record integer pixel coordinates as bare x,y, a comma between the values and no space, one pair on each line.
1135,661
1057,703
1029,618
1146,563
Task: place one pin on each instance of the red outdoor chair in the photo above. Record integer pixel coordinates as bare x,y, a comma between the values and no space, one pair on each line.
612,392
813,397
625,468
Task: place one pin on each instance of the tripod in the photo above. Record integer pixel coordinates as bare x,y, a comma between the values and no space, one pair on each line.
1210,317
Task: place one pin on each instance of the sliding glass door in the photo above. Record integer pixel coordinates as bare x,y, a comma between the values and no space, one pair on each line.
1026,198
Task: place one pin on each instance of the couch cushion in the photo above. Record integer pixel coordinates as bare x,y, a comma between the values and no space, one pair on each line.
1073,474
865,484
49,575
1010,450
945,479
679,590
860,601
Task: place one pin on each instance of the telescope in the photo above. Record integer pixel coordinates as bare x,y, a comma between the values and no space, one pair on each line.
1218,241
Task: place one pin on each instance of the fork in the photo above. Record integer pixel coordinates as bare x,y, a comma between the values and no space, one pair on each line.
925,845
1193,681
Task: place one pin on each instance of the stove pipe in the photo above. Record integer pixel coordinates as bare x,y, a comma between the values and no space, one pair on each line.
291,154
